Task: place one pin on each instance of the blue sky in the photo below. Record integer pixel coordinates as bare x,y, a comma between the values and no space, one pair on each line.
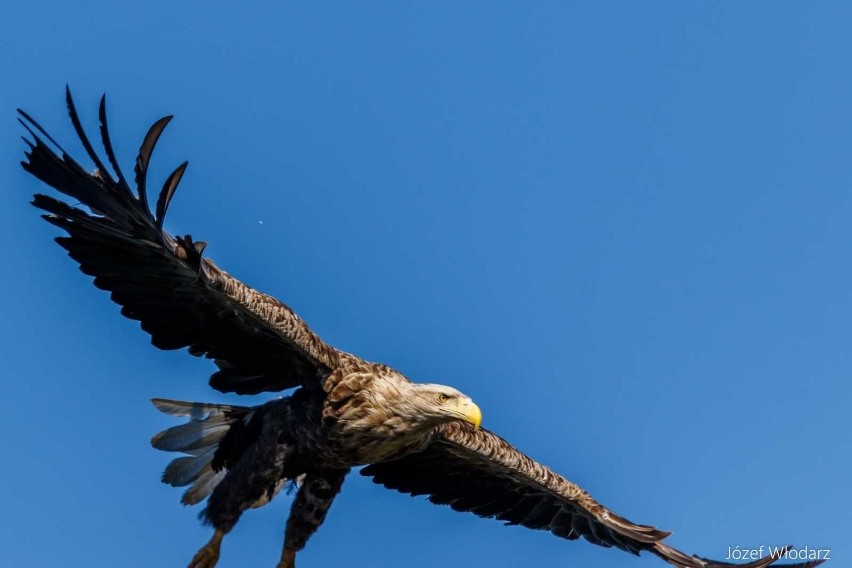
625,229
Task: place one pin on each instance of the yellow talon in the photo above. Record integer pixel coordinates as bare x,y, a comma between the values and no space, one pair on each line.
208,556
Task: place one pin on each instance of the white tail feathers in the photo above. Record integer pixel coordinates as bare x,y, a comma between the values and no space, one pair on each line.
196,410
199,438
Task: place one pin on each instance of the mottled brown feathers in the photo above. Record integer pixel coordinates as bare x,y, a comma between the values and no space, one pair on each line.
477,471
181,300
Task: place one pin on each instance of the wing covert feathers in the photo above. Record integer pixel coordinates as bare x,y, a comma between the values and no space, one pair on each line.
181,299
479,472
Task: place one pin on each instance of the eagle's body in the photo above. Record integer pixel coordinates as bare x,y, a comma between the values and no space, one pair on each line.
422,439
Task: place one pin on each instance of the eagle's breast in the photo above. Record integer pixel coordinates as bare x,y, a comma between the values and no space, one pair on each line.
363,415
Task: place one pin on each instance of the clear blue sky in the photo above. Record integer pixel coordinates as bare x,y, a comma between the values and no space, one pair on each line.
625,229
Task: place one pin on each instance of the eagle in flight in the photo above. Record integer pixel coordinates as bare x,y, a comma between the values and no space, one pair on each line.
345,412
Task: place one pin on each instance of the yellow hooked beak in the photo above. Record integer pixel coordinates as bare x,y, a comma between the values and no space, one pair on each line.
470,412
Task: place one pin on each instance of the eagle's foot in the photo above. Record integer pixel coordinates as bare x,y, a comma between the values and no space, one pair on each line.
206,557
288,559
209,553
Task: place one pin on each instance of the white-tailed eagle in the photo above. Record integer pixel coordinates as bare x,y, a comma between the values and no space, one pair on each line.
421,439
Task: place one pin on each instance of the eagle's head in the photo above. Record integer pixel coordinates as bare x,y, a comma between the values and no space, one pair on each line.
438,404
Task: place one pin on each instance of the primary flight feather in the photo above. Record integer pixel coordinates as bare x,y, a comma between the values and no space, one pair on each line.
422,439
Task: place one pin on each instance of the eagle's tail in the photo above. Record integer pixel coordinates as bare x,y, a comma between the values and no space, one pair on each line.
204,466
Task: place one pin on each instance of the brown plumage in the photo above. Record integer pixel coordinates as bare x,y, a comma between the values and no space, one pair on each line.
420,439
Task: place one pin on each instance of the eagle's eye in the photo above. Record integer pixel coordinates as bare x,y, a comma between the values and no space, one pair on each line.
442,398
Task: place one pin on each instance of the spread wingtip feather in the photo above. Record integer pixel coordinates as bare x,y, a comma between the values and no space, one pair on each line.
144,156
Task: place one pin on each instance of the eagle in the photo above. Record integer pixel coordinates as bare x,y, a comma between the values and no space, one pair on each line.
342,412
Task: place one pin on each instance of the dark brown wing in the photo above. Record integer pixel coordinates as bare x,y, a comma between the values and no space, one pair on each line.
181,299
479,472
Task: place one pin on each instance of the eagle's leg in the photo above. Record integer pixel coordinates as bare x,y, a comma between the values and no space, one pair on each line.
250,482
308,511
208,555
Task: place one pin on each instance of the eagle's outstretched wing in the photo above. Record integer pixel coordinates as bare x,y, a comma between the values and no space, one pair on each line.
180,298
474,470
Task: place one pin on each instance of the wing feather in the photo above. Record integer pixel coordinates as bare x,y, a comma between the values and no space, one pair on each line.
477,471
180,299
